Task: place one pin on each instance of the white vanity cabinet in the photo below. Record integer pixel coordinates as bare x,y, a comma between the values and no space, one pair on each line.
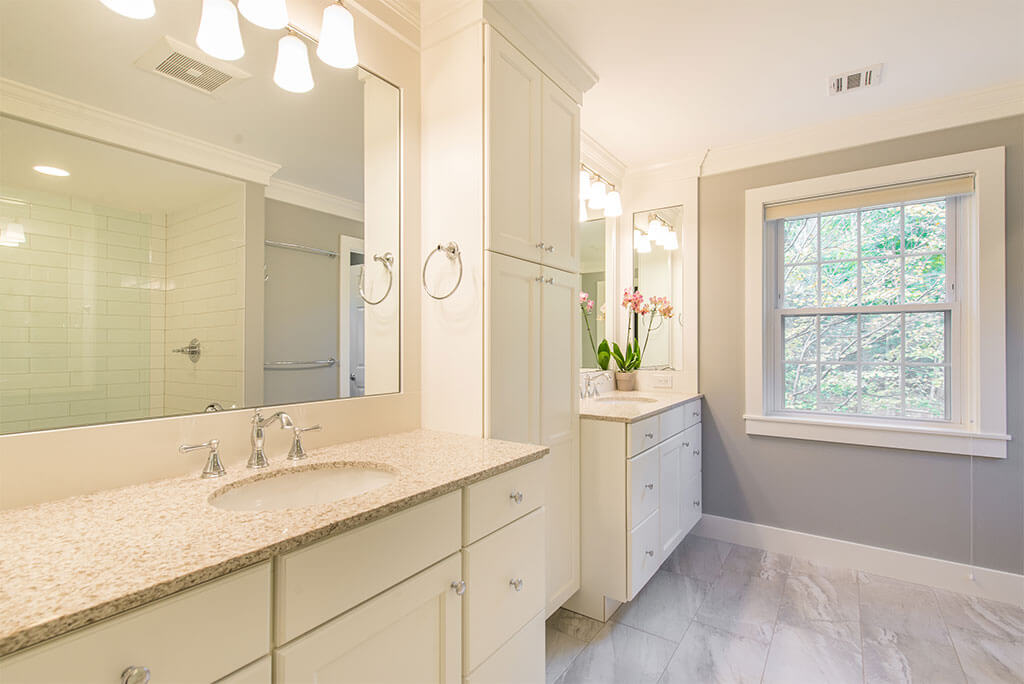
641,494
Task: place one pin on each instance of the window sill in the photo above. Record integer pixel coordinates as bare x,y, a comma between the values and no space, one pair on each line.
946,440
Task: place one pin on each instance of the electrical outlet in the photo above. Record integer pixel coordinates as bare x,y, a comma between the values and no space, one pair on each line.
661,382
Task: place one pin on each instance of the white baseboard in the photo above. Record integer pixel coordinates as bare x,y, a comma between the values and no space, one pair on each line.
943,574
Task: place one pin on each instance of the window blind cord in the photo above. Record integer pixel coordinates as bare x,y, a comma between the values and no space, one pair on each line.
970,575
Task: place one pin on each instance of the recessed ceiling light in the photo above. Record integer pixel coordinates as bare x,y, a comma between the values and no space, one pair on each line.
50,170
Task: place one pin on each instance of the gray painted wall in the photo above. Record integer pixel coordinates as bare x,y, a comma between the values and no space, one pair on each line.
910,501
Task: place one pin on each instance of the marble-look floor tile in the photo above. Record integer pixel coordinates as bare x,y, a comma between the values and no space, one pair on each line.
756,562
989,660
803,655
900,607
665,606
743,604
621,654
560,650
575,625
822,599
891,658
985,618
698,557
708,655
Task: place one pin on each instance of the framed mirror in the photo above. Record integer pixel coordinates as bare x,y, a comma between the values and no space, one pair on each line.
178,233
657,236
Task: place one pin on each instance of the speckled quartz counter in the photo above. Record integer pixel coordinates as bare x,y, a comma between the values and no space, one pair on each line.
629,407
69,563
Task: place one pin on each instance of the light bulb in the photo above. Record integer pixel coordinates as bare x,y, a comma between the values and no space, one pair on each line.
642,244
14,232
292,71
133,9
597,195
613,204
584,184
219,35
337,46
670,241
584,216
268,14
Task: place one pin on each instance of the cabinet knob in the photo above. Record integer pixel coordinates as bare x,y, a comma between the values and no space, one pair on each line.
459,587
135,674
649,435
696,414
686,444
538,279
516,584
549,249
649,553
516,497
539,245
696,503
649,485
696,452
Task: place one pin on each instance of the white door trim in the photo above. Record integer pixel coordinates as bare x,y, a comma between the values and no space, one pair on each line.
346,245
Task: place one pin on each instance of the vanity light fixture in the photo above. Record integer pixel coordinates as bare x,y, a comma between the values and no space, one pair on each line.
670,241
642,244
219,35
613,204
598,194
292,72
50,170
656,230
337,44
268,14
133,9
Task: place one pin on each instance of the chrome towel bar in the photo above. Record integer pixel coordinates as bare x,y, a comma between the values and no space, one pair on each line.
299,365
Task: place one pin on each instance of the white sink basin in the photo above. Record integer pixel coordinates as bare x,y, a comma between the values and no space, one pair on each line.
627,400
300,488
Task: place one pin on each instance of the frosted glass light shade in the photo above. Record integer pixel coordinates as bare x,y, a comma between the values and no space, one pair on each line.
219,35
598,194
656,230
670,241
292,72
642,244
133,9
613,204
268,14
584,185
337,46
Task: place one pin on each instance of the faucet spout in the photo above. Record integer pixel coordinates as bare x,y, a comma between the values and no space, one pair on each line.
258,459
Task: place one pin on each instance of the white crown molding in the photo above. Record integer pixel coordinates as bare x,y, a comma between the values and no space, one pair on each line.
293,193
400,18
935,572
600,159
42,107
986,104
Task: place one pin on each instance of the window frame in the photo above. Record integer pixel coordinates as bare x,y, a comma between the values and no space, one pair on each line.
977,417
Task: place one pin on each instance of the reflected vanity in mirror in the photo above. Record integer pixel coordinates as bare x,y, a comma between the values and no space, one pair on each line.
657,236
178,234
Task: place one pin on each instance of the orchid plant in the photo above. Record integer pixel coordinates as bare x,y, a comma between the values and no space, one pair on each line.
655,308
601,352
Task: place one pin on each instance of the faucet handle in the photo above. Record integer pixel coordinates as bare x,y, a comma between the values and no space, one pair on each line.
297,453
214,468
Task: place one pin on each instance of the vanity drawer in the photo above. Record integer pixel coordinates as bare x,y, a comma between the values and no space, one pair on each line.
691,448
644,558
198,635
495,609
692,412
672,422
499,500
644,489
318,582
643,434
521,659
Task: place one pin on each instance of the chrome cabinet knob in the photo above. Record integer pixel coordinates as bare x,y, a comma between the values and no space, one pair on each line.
135,674
539,245
539,279
686,444
549,248
516,584
649,435
649,553
517,497
696,452
696,414
649,485
696,503
459,587
549,281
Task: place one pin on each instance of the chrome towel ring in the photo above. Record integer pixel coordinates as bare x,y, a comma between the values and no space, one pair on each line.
386,261
452,251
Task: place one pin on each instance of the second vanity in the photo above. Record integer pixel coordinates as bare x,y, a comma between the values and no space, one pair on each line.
640,484
435,575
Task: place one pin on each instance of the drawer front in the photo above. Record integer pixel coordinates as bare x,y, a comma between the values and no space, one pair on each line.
495,608
644,486
691,448
672,422
323,580
643,435
198,635
499,500
644,557
691,413
254,673
519,661
691,506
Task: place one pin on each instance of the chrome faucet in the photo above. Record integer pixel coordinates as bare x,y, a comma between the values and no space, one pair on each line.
257,459
589,388
214,468
297,452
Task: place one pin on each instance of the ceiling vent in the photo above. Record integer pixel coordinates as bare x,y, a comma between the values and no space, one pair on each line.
189,66
855,80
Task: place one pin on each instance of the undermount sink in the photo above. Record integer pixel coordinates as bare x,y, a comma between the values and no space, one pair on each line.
300,488
627,400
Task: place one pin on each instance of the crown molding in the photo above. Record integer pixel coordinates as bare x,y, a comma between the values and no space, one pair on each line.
39,106
600,159
400,18
300,195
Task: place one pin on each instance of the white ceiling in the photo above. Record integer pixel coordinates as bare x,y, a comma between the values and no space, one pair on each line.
678,76
81,50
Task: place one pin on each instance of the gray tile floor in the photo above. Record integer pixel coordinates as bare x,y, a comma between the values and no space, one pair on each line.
715,612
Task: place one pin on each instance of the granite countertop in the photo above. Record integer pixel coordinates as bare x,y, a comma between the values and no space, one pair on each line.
69,563
617,406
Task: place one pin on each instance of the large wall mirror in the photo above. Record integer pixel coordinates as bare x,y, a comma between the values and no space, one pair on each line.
657,236
139,275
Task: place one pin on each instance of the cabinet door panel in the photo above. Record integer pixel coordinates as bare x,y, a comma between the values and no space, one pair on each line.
670,468
512,340
559,423
560,159
691,506
512,149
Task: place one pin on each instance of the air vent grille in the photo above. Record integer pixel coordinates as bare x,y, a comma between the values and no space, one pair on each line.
193,73
855,80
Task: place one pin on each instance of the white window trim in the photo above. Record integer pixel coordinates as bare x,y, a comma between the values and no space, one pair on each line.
981,430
